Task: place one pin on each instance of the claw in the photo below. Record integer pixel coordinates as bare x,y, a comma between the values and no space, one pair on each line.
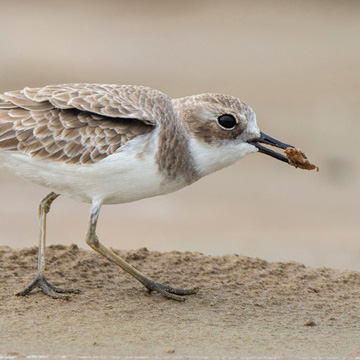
47,288
168,291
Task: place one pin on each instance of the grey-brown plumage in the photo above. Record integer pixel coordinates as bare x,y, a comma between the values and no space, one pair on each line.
78,123
192,113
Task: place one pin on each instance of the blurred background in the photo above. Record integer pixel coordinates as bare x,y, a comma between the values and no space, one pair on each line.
296,63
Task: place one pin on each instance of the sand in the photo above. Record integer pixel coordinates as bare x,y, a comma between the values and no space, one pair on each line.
246,307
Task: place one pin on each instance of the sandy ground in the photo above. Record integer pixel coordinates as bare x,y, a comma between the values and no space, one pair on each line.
295,63
245,307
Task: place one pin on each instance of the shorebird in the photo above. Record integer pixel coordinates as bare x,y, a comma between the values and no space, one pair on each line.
112,144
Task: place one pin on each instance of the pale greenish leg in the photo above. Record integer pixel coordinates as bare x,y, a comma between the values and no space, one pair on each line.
93,241
40,280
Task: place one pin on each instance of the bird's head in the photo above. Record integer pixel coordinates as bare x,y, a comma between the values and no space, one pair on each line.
222,129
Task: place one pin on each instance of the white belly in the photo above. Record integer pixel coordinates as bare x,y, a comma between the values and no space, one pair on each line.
129,175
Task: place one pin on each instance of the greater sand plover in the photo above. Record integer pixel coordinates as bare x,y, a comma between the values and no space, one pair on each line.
112,144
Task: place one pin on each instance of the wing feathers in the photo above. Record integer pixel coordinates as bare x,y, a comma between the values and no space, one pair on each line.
78,123
135,102
6,128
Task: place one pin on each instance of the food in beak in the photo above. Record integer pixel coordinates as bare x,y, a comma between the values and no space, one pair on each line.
294,157
298,159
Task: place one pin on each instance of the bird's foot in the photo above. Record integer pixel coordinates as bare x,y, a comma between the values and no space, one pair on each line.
47,288
168,291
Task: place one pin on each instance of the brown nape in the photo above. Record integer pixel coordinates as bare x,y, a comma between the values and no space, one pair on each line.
173,155
200,113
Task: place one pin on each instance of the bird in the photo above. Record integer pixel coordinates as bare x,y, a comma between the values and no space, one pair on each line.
112,144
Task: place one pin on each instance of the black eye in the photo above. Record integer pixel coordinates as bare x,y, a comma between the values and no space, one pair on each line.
227,121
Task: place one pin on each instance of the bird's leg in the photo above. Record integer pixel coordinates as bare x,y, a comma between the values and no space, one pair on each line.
93,241
40,280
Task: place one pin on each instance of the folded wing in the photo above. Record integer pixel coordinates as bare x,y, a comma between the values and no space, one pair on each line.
78,123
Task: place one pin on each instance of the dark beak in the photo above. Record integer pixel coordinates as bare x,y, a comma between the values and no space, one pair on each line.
268,140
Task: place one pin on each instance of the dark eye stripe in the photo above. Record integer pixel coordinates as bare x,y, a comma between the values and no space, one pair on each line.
227,121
